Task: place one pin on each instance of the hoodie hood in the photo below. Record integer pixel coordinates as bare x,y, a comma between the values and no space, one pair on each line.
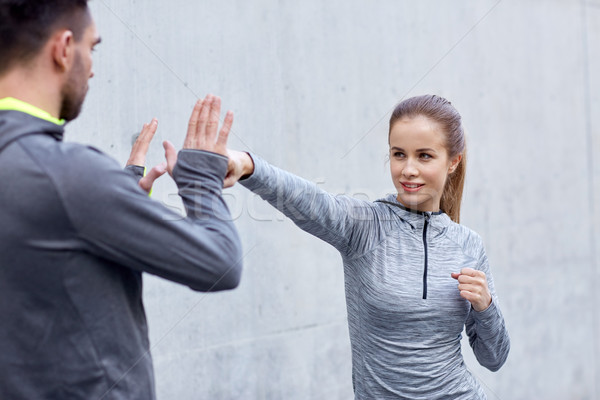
15,124
413,217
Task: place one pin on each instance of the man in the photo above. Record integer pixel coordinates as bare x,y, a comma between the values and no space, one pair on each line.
76,231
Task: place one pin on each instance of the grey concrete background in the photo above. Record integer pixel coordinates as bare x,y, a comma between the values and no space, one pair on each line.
312,84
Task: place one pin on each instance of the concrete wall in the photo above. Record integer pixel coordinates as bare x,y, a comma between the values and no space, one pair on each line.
312,84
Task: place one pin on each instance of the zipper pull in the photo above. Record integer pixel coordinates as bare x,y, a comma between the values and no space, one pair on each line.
427,217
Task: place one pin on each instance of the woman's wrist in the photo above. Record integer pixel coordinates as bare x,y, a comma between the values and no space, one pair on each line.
248,165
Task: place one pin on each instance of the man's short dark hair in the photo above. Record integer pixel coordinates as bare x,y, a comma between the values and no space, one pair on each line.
26,26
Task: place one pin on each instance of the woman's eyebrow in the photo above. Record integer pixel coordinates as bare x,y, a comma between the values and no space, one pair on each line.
418,150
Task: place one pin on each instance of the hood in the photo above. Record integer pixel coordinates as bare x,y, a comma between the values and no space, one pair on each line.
416,218
14,124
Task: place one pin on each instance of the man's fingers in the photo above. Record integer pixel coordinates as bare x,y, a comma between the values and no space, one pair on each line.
455,275
213,120
203,128
147,181
190,137
200,134
149,130
147,134
224,133
170,156
142,143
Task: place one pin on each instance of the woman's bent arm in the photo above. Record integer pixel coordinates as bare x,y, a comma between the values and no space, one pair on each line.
486,329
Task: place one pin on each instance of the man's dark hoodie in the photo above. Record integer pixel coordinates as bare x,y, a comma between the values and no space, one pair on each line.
76,233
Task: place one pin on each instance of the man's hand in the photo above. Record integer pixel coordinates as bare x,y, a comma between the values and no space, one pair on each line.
140,147
201,135
138,156
203,126
473,286
202,131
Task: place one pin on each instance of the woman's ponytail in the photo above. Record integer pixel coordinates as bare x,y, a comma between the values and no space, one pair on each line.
453,190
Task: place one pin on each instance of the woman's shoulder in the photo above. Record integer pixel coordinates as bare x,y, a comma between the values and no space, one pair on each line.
466,238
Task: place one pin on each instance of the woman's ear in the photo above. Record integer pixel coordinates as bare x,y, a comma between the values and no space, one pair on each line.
454,163
63,49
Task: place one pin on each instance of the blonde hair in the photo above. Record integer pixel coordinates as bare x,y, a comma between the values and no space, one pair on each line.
440,110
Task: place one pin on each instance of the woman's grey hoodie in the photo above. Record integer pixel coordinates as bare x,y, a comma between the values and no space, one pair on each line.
405,312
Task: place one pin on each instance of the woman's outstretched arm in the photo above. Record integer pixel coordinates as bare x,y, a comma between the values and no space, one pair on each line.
331,218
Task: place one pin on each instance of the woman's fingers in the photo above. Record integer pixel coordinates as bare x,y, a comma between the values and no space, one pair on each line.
235,168
473,287
470,272
472,298
229,181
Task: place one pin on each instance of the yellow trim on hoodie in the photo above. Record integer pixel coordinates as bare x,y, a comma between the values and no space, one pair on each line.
10,103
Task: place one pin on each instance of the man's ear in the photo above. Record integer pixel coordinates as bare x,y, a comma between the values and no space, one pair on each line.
454,163
63,49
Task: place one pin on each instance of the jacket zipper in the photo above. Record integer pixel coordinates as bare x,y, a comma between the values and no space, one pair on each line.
425,259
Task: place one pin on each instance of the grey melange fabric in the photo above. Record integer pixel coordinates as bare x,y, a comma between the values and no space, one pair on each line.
405,313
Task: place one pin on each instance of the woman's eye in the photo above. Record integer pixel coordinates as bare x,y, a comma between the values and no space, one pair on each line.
425,156
398,154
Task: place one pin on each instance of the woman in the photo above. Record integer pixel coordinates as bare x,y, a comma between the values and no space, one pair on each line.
414,276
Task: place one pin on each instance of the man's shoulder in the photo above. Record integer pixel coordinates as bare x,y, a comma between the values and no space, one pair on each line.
52,154
75,170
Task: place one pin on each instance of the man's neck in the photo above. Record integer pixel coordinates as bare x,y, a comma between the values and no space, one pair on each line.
32,89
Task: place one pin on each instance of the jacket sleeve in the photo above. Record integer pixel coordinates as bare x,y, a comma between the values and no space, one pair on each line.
135,171
117,221
344,222
486,330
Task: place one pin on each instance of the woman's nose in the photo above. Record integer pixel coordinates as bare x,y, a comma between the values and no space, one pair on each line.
410,170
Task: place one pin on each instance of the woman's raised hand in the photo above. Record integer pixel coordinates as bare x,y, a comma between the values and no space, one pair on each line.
240,164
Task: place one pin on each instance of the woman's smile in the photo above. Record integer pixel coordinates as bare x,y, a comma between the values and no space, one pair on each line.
411,187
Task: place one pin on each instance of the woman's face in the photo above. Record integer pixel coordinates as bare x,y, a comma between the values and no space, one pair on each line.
419,162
